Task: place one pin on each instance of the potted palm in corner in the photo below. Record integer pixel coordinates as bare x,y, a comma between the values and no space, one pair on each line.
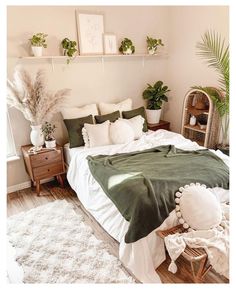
155,95
212,48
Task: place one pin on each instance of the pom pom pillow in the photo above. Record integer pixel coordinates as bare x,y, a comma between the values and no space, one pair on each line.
197,207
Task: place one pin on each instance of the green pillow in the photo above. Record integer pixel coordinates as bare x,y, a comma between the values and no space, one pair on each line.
134,112
74,127
110,116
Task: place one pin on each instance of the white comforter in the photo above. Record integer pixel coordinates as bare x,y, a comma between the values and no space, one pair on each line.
143,256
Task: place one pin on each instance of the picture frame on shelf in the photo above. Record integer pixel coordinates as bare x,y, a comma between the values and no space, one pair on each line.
90,28
110,43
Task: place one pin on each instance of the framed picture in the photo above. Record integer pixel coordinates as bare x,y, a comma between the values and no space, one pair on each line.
90,33
110,44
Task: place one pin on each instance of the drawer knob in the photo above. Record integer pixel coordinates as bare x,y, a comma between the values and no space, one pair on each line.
48,170
46,158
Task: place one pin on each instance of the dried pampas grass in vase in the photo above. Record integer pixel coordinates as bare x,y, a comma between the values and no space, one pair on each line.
37,105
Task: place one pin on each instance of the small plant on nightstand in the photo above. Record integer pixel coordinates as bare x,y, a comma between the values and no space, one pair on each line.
48,129
155,95
38,42
69,48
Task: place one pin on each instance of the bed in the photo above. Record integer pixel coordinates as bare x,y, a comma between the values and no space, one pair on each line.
146,254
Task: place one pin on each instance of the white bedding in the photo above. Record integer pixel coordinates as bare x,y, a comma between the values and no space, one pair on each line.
143,256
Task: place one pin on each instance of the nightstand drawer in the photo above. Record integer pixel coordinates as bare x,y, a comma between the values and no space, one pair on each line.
45,158
48,171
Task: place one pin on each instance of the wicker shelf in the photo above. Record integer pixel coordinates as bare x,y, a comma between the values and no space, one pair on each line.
195,128
198,103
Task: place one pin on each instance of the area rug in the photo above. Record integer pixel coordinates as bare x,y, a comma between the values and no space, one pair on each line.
54,245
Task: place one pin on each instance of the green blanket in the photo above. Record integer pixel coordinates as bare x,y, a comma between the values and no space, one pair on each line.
142,184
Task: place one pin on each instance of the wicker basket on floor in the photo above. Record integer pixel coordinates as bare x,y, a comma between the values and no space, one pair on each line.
196,256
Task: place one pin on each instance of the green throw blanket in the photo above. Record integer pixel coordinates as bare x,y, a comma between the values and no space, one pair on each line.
142,184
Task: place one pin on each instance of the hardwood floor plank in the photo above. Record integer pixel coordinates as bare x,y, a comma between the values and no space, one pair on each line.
27,199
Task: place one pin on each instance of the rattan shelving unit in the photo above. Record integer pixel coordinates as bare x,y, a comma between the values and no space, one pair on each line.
205,136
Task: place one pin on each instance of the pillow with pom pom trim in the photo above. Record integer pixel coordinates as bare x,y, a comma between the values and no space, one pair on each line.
197,207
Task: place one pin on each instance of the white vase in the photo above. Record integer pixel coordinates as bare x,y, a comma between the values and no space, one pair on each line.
37,50
36,136
153,115
50,144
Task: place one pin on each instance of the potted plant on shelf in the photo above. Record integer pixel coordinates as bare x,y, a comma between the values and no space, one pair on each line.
48,129
212,48
29,95
152,44
38,42
155,95
69,48
127,46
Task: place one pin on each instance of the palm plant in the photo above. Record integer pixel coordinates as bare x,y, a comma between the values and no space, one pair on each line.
213,49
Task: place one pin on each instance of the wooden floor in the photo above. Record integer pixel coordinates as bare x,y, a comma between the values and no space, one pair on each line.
27,199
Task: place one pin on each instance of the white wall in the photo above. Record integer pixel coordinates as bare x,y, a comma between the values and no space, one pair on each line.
180,27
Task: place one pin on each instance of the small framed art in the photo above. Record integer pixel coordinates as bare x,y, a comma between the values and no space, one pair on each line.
110,44
90,33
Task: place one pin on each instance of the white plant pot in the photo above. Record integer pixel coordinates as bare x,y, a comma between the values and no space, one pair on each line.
37,50
50,144
36,136
152,51
127,51
153,116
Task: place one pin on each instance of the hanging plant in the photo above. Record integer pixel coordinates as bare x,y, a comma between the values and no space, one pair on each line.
69,48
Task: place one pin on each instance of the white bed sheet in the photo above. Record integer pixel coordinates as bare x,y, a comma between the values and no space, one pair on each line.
146,254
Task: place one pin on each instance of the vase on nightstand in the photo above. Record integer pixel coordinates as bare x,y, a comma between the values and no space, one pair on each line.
36,137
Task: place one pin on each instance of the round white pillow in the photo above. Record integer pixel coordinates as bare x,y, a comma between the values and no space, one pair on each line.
197,207
121,132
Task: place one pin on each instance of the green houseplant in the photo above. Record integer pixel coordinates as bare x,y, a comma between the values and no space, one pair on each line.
48,129
152,44
69,48
212,48
155,95
38,42
127,46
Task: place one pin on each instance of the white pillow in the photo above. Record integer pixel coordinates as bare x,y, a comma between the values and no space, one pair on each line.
121,132
124,105
137,125
96,134
77,112
197,207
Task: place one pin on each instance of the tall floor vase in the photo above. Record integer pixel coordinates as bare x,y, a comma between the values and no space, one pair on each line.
36,137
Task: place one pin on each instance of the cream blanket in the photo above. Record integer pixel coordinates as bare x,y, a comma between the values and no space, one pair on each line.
214,241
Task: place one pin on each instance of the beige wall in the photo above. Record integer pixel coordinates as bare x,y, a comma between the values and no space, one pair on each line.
90,81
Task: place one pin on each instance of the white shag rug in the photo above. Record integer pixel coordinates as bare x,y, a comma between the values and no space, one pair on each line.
54,245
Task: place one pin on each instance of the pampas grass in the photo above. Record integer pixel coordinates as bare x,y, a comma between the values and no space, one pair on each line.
31,98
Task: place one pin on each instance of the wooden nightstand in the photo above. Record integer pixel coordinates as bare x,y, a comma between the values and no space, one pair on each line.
161,125
44,164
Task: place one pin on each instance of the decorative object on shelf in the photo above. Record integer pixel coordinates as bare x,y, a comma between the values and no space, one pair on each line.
110,44
69,48
127,46
155,95
90,30
212,48
29,95
193,120
48,129
152,44
205,134
38,42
